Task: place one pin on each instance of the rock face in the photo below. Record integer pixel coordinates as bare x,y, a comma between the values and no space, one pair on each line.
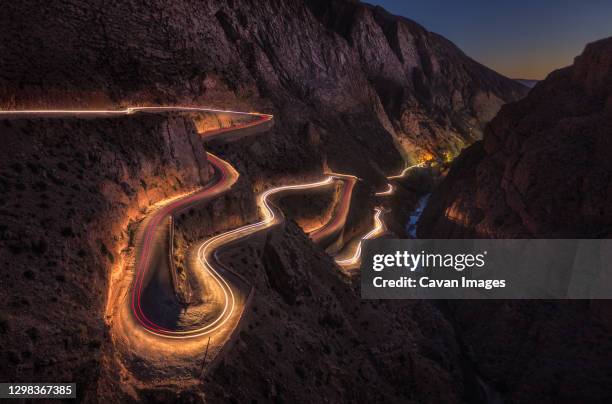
343,79
70,190
435,97
352,88
308,336
543,170
68,211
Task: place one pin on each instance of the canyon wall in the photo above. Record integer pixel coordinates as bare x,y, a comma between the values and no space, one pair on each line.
309,337
543,170
348,83
72,189
69,211
352,88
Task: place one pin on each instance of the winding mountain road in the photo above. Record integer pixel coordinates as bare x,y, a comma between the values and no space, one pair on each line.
221,294
350,258
257,122
146,262
151,254
389,191
330,231
406,170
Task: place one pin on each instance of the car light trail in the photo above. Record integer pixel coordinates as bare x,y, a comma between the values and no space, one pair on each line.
405,171
226,176
324,233
126,111
379,228
206,256
389,191
93,113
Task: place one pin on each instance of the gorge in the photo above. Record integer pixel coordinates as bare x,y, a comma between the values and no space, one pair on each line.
359,114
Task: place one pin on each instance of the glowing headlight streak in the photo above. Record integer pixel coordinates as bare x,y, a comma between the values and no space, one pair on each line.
405,171
379,227
57,113
126,111
339,218
206,256
228,177
389,191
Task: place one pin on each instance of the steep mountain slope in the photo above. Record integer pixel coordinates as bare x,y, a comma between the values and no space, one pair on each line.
344,79
351,87
543,170
72,191
436,98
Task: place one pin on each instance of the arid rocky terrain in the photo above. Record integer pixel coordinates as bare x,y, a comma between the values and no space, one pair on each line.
353,89
338,75
543,167
543,170
71,190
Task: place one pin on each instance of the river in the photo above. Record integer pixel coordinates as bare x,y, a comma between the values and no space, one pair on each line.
411,226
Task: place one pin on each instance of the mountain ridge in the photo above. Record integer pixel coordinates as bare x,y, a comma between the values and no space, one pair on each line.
542,171
278,57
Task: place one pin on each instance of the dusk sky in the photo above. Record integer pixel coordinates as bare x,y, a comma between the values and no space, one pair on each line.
520,39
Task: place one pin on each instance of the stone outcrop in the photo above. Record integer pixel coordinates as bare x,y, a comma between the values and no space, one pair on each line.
72,191
543,170
348,83
353,90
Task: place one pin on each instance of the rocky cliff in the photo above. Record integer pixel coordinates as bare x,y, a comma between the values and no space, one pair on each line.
543,167
352,88
72,189
543,170
308,337
69,211
343,79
